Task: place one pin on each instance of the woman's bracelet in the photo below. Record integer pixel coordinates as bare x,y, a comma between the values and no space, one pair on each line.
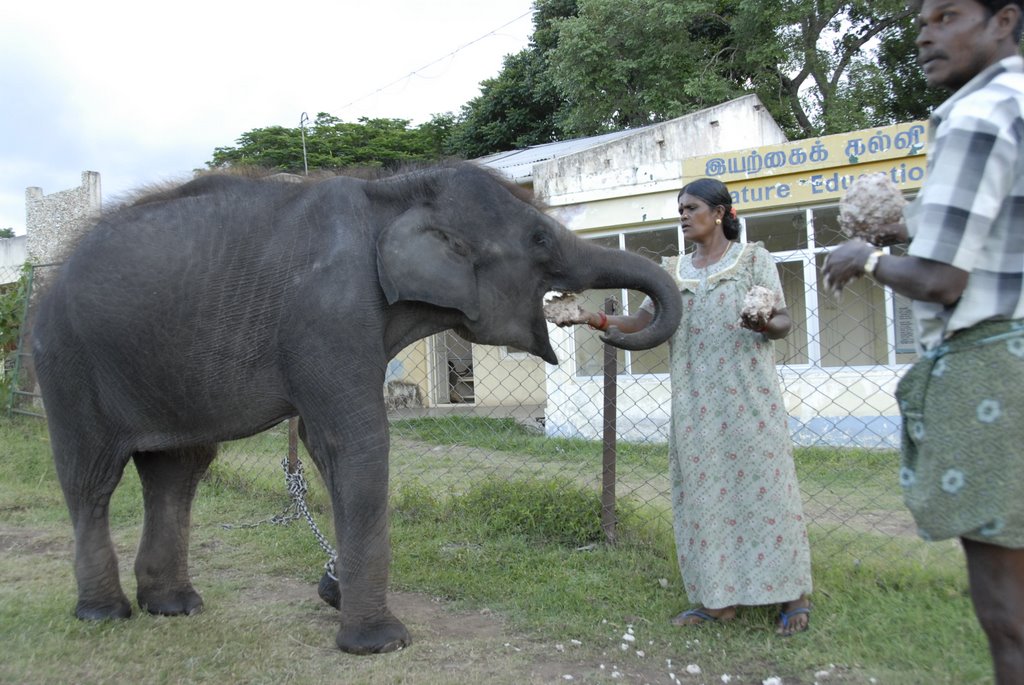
603,324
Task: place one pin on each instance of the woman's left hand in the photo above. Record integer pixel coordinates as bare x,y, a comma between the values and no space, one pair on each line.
756,322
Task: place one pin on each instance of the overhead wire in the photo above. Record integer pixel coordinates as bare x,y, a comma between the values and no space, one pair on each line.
439,59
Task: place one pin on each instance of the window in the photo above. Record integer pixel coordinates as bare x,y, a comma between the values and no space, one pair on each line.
779,232
655,245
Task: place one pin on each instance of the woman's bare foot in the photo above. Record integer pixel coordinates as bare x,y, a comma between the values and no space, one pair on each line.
794,617
702,615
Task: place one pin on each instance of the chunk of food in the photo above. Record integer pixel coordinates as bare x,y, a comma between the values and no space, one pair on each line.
564,310
872,202
758,306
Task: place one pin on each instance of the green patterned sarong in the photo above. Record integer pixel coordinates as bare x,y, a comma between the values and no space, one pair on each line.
963,436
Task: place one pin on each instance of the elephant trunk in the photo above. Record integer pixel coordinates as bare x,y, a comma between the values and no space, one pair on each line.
610,268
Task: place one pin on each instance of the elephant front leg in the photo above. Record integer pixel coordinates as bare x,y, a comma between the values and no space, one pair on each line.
169,481
358,481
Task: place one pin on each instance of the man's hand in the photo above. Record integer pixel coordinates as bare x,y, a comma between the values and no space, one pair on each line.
845,263
888,235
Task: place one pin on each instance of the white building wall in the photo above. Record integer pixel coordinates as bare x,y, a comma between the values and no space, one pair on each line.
632,182
13,253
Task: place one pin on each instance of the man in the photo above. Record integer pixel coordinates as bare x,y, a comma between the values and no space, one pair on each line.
963,402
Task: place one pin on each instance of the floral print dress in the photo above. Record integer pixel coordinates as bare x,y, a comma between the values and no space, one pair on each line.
740,533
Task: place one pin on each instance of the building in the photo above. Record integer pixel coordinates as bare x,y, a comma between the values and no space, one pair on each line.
840,365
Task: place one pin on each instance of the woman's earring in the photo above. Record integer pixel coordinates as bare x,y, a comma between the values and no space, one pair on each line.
718,222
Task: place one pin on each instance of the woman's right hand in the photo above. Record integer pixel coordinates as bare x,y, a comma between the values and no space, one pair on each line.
597,320
577,318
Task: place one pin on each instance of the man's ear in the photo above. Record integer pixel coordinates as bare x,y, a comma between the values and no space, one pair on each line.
1007,17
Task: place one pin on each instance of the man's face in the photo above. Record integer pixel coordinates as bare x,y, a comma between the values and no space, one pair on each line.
955,41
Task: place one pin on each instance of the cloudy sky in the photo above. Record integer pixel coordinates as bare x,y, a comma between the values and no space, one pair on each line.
143,92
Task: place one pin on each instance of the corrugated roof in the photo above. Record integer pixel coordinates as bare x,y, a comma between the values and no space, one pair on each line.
517,165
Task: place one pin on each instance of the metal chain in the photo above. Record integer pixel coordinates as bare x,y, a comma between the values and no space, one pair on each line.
297,487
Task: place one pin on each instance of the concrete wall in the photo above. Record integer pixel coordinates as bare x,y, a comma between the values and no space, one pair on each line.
503,378
53,221
650,161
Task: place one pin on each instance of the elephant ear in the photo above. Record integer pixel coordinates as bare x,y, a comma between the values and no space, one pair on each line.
420,262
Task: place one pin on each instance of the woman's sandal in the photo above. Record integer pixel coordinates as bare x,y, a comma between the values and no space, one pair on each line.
702,617
784,630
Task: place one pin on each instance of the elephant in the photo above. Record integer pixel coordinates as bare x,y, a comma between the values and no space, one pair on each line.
215,309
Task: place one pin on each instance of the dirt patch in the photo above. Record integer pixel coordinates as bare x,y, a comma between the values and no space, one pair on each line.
29,542
449,645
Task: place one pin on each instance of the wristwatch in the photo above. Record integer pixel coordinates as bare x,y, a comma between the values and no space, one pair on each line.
872,262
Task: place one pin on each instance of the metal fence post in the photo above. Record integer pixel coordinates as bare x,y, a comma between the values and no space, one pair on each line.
22,351
608,440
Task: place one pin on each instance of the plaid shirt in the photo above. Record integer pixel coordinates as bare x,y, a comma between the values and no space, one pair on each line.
970,211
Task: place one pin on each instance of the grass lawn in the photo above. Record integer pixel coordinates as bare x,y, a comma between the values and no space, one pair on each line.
498,570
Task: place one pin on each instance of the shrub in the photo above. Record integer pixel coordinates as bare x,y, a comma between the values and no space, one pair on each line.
553,510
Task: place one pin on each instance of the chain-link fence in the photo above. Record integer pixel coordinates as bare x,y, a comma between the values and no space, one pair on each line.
461,414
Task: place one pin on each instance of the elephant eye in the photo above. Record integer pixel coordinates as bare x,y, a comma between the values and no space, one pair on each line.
541,239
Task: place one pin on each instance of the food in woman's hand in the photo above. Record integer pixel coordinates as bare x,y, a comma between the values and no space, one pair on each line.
758,306
872,202
564,310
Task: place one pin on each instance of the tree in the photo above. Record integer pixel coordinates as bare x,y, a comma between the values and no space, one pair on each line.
518,107
6,232
820,66
813,62
622,65
334,144
897,86
514,110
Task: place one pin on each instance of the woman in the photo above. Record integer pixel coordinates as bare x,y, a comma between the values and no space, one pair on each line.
739,529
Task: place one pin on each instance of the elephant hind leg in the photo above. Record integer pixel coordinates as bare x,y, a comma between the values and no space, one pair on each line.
89,470
169,482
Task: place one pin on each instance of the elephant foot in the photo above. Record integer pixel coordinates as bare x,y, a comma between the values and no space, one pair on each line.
99,611
183,602
329,590
378,637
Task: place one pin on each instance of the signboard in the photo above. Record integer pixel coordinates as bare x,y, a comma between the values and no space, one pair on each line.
814,171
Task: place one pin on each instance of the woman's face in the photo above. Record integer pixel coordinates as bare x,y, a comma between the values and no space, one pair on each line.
698,218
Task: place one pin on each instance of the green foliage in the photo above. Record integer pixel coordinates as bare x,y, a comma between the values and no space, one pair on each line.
514,110
12,312
552,510
334,144
602,65
813,63
623,65
417,502
6,232
555,511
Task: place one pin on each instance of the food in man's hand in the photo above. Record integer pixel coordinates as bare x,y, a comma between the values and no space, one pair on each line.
872,202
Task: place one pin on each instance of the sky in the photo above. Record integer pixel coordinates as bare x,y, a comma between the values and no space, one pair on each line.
143,92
